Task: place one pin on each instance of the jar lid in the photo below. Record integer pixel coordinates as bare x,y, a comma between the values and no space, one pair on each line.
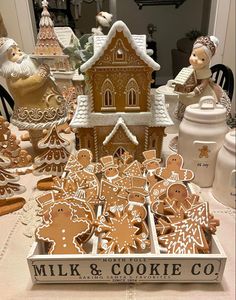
206,111
230,141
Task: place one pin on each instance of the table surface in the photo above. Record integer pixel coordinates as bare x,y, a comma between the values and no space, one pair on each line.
15,280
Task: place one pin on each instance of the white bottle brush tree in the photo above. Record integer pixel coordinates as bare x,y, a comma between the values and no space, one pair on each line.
53,160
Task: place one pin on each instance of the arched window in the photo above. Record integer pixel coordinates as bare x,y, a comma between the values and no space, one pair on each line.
132,98
108,94
132,93
119,151
108,98
119,54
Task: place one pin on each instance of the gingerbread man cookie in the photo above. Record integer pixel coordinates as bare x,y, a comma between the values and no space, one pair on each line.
173,171
62,230
4,132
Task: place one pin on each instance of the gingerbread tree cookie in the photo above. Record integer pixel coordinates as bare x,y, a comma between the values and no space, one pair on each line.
133,169
62,231
8,187
188,237
53,160
120,234
109,194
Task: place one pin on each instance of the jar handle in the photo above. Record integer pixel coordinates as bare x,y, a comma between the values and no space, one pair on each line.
209,100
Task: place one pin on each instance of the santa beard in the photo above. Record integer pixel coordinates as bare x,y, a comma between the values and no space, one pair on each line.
24,67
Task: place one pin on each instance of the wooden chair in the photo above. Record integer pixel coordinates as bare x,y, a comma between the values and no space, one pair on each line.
7,103
223,76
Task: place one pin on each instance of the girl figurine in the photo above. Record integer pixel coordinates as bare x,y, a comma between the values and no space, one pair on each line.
203,50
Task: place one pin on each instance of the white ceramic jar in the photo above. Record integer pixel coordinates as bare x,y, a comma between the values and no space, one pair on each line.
224,185
201,135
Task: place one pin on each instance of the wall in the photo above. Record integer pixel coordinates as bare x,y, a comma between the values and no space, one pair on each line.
172,24
229,48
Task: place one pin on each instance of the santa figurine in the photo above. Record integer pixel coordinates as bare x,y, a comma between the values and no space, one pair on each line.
39,103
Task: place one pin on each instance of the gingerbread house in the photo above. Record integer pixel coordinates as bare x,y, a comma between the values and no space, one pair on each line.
185,81
48,50
120,113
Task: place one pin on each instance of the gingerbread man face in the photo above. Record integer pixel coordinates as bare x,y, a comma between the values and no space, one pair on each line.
111,172
175,160
177,191
60,211
84,157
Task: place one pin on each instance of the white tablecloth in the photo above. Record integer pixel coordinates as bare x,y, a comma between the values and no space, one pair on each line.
15,281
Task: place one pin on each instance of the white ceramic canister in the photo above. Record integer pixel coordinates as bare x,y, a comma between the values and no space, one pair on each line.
201,135
224,185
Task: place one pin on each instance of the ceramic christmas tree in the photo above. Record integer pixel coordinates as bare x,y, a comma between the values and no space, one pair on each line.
48,50
54,157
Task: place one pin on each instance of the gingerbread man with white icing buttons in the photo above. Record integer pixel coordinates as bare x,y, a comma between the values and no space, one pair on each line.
173,170
62,230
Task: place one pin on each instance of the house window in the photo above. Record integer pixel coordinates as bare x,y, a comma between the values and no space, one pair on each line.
132,98
119,54
108,98
153,143
132,94
108,95
119,151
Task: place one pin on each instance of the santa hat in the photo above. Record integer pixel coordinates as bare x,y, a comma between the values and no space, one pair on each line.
5,44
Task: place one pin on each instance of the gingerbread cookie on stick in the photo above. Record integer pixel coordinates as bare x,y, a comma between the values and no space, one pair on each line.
173,171
62,231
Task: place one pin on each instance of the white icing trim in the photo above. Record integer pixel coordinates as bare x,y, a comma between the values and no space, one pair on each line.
118,27
121,123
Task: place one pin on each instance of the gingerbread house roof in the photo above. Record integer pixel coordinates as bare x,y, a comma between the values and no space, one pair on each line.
118,27
184,75
160,116
81,118
157,116
121,123
139,39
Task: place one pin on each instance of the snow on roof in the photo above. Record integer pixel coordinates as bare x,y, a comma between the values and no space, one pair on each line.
81,118
139,39
183,75
160,116
118,27
121,122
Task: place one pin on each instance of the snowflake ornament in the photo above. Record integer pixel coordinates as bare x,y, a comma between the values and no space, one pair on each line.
121,234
